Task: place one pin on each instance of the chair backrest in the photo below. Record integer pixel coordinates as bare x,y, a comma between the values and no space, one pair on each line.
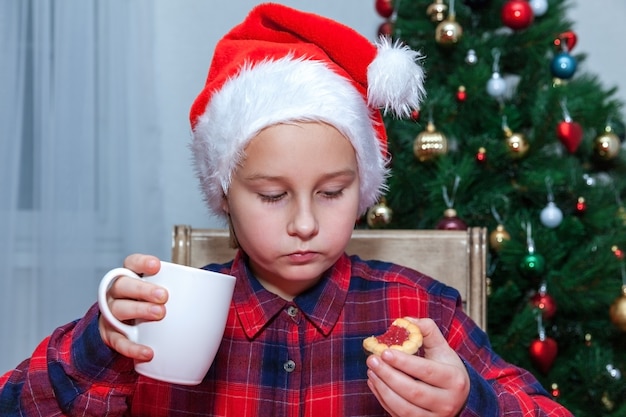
456,258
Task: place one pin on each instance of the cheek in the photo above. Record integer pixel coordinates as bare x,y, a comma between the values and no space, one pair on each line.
250,221
345,209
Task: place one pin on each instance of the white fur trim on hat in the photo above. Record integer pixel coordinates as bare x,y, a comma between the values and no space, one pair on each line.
276,91
395,80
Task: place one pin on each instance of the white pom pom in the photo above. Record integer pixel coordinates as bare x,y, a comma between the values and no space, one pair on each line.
395,79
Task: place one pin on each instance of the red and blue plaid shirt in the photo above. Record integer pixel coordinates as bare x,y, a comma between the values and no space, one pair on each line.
277,358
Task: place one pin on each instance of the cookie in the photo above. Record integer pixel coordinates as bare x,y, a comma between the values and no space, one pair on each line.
402,335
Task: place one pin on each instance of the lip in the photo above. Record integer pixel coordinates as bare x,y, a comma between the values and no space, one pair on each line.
302,257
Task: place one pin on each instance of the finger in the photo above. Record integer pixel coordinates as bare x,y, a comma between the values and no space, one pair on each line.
125,347
136,289
396,391
142,264
121,344
409,377
434,344
124,309
383,394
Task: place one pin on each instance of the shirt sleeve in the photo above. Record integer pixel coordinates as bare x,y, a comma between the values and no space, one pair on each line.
72,369
497,387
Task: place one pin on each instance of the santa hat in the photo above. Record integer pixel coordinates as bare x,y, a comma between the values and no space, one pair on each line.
284,65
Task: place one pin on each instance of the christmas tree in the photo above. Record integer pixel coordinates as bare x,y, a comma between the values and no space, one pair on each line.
515,137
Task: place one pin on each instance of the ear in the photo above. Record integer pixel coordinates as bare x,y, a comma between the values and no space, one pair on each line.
224,204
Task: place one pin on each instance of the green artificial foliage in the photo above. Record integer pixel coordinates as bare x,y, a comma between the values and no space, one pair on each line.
583,272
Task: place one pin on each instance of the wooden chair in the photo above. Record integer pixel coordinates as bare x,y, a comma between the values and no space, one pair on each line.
457,258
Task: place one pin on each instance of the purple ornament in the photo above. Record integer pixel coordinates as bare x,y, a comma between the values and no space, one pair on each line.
450,221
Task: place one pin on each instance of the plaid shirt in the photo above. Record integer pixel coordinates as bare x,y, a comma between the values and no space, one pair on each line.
277,358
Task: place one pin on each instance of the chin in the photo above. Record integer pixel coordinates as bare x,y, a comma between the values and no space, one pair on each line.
309,272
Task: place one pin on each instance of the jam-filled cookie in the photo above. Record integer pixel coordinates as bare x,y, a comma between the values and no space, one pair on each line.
401,335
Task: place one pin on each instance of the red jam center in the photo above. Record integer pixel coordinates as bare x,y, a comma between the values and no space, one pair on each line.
396,335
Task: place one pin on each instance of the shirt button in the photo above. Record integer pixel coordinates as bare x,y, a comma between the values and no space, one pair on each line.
289,366
292,311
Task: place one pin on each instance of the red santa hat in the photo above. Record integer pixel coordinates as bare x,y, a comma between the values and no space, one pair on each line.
283,65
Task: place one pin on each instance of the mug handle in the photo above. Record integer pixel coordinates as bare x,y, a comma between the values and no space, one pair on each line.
105,283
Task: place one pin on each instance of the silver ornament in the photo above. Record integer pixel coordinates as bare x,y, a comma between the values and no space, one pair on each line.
539,7
496,86
551,216
613,372
471,58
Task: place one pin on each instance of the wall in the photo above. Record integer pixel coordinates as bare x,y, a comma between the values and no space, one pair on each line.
187,31
600,30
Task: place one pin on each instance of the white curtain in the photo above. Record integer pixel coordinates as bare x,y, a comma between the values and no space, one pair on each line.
78,157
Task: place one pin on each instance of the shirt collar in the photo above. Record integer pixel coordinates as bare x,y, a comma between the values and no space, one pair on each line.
321,305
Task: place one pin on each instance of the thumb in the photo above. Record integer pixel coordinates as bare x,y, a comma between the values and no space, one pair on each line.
435,346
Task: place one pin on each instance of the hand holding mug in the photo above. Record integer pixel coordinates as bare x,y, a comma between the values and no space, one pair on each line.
130,299
184,342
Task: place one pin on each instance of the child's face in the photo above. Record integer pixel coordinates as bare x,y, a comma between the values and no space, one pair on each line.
293,203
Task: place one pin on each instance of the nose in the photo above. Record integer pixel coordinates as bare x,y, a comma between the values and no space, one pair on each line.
303,222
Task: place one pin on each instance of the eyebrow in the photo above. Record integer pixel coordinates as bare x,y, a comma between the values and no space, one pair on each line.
331,175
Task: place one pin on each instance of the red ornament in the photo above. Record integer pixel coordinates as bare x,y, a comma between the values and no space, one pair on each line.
384,8
581,205
619,254
517,14
481,155
461,94
543,353
555,391
450,221
565,40
385,29
545,303
570,134
415,115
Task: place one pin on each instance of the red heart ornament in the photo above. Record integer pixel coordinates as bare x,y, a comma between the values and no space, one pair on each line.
543,353
570,134
568,38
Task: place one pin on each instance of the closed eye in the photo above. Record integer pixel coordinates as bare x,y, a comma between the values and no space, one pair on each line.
332,194
272,198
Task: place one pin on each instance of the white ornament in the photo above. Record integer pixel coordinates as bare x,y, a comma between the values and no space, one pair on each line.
551,215
496,86
539,7
471,58
613,371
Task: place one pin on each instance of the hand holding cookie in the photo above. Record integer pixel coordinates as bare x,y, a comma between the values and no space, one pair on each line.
408,384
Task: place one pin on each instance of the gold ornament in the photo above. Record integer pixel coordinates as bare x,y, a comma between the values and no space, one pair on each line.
498,237
448,32
606,146
379,214
607,402
621,214
437,11
618,311
516,143
429,144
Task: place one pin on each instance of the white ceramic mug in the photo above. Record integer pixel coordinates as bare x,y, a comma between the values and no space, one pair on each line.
186,340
